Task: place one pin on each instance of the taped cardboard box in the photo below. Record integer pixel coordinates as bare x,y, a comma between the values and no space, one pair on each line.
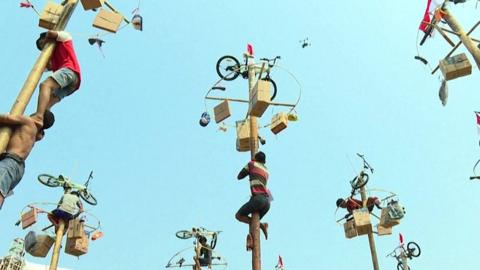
221,111
260,98
77,246
108,21
383,230
29,218
91,4
75,229
455,66
38,245
361,218
50,15
350,230
243,135
385,219
279,122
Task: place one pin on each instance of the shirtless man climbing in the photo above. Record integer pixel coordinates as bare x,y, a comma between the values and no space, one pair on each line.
25,132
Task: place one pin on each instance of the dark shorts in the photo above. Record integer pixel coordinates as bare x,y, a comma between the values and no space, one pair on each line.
204,261
257,203
12,168
62,214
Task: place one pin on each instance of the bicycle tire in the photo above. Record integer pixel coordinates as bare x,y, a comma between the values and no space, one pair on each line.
413,249
232,71
400,266
48,180
184,234
88,197
355,184
213,242
274,87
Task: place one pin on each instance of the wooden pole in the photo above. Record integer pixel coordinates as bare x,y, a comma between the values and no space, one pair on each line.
58,245
255,221
404,261
371,240
33,78
466,40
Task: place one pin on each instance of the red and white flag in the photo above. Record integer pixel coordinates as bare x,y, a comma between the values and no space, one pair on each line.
250,49
432,5
26,4
400,236
279,265
477,114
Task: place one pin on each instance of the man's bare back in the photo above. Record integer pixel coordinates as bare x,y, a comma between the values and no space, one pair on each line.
24,135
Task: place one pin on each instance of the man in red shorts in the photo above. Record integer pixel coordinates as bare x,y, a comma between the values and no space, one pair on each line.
65,78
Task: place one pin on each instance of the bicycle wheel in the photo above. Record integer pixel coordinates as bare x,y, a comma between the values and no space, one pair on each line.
413,249
48,180
88,197
274,87
400,266
184,234
355,183
228,68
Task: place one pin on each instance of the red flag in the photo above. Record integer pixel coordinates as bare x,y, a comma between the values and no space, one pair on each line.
280,263
26,4
401,238
478,117
431,6
250,49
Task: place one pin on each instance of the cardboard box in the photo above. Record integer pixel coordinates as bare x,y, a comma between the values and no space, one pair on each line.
455,66
221,111
77,246
260,98
29,218
40,244
279,122
108,21
386,221
383,230
350,230
75,229
361,218
91,4
243,135
50,15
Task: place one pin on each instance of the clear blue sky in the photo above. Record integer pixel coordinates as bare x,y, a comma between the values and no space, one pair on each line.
135,123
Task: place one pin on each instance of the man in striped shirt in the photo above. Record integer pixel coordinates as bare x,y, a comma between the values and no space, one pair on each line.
260,199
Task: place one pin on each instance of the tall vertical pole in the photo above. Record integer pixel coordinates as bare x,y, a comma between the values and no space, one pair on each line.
255,221
404,261
58,244
371,240
33,78
466,40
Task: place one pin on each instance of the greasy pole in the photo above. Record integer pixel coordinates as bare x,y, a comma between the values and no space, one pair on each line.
371,240
466,40
33,78
58,245
255,221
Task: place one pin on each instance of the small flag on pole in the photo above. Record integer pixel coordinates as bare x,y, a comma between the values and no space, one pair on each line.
477,114
26,4
279,265
400,236
432,5
250,49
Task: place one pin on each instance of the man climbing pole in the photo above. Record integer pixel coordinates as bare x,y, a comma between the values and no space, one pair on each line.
25,132
69,207
65,78
260,195
352,204
203,253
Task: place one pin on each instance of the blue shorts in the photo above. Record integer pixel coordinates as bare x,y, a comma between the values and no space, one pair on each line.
257,203
62,214
11,172
67,79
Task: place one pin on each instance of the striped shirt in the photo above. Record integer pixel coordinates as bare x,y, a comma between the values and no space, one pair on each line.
258,175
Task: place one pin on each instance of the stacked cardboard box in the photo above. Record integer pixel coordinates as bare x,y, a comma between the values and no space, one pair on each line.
260,98
243,135
50,15
362,221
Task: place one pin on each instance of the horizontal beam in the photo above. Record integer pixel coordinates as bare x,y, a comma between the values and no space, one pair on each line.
457,34
246,101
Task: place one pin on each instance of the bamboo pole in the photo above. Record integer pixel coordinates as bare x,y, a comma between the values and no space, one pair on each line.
466,40
57,246
371,240
404,261
255,221
35,74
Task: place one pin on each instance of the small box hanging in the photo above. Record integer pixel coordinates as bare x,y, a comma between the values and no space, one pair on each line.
91,4
349,228
362,221
29,218
38,245
222,111
383,230
279,122
108,21
455,66
50,15
75,229
77,246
